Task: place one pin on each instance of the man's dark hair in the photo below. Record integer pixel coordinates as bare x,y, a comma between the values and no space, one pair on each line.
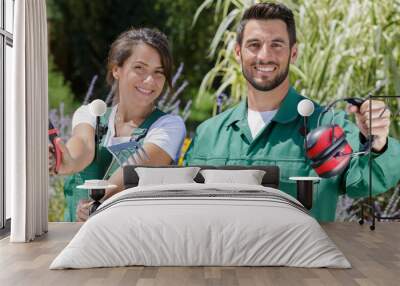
268,11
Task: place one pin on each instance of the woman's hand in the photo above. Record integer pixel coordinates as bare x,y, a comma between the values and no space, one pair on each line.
67,162
82,210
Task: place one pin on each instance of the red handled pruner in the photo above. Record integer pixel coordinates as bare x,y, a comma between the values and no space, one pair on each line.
54,139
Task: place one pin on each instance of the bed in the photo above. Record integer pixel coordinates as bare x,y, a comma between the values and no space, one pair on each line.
201,224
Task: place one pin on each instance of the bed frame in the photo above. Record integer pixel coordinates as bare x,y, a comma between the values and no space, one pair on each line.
270,179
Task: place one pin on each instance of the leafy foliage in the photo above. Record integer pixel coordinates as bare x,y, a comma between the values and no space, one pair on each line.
59,90
56,200
345,48
62,122
88,28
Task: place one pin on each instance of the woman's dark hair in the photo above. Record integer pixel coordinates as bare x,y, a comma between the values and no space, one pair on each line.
122,48
268,11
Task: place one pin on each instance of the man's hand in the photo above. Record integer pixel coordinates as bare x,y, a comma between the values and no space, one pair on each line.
82,210
380,121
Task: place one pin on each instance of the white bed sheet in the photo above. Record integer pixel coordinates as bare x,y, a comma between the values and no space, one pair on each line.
200,231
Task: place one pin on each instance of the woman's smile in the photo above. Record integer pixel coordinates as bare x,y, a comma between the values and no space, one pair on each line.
144,91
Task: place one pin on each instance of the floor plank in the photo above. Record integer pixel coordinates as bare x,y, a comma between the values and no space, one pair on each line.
374,255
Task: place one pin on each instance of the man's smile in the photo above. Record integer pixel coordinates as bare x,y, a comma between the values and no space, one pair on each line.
265,69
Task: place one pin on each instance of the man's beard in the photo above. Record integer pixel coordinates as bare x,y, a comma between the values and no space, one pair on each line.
270,84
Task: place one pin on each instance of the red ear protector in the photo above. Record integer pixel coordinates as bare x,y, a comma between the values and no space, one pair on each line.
54,139
327,147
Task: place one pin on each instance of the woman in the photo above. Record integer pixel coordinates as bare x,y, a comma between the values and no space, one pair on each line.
139,69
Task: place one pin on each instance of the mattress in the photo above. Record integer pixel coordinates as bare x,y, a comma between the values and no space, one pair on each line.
201,225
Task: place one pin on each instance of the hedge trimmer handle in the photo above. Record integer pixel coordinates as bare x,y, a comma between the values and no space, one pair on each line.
55,141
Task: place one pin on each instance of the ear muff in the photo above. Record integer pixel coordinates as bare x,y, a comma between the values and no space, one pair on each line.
333,150
335,164
328,150
321,142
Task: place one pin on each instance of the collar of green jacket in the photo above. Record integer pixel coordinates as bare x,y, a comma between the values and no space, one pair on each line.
287,111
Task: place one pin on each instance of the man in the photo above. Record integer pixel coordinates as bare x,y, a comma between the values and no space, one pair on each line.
264,129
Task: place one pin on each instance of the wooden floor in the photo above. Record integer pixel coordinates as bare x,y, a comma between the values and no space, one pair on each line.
374,255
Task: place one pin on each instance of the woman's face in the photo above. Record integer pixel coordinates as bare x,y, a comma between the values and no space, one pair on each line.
141,77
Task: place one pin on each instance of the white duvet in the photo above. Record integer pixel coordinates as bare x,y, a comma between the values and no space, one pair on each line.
201,224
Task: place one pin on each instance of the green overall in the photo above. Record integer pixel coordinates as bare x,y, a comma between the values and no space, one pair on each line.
97,169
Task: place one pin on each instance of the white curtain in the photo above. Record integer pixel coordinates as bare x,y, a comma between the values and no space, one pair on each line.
27,123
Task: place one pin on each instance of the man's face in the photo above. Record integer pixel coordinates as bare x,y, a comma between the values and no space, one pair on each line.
265,53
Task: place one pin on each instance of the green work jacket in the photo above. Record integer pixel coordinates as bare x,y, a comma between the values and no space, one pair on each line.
226,140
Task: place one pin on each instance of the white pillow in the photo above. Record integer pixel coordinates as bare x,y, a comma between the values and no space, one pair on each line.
248,177
166,176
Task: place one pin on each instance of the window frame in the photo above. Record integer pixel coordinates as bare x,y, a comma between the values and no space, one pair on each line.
6,39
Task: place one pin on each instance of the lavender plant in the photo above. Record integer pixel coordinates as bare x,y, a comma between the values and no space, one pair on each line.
169,101
222,101
89,93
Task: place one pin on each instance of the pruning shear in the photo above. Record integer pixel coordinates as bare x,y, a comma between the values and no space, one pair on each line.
54,139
